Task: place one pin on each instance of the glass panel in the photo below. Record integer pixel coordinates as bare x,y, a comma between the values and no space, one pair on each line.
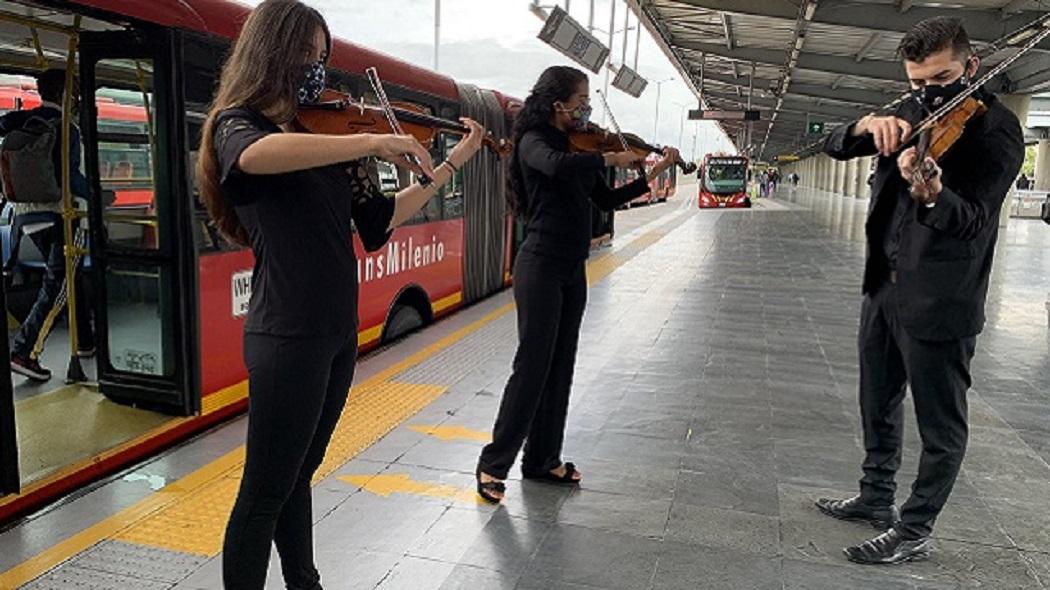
140,338
452,194
391,179
127,151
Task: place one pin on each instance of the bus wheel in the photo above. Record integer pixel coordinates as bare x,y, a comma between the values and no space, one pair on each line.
404,319
747,202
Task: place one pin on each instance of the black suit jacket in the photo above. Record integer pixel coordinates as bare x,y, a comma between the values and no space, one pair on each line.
945,252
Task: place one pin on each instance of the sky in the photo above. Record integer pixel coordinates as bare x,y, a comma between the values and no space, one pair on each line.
493,44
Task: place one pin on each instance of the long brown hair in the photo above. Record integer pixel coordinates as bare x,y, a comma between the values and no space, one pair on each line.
263,73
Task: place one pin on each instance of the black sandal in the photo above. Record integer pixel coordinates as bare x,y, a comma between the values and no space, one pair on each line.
485,489
547,476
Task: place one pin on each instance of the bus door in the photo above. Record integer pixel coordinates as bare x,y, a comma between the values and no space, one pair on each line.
141,247
9,478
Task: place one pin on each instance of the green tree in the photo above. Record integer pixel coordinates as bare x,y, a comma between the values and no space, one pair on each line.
1028,168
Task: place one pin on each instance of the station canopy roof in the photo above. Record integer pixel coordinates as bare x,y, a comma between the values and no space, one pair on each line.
820,63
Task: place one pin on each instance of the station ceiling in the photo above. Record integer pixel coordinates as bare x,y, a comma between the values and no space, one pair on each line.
820,61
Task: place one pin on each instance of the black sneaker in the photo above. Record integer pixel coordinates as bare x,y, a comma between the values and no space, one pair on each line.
30,368
880,517
887,548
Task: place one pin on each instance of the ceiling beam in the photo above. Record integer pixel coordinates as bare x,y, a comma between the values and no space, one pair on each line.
1011,7
1028,76
875,37
847,95
727,28
841,111
874,69
982,25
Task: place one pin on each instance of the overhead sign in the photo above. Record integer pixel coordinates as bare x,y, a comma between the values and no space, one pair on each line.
815,127
566,35
715,115
629,81
787,158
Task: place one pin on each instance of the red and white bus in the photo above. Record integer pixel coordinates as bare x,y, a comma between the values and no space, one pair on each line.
662,187
723,182
171,295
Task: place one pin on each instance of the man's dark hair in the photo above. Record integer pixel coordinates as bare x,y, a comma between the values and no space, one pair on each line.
50,84
933,35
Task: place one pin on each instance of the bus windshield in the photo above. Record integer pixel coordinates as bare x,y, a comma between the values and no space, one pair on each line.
725,176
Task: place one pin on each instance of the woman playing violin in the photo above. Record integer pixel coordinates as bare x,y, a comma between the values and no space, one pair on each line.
552,190
292,196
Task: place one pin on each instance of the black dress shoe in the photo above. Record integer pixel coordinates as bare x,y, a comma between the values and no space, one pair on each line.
880,517
889,547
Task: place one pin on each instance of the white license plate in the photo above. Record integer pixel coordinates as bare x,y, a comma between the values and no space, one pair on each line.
721,204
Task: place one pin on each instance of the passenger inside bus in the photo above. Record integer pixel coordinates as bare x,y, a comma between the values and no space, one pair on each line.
37,209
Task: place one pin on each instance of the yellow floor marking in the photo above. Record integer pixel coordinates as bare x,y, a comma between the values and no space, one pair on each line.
401,483
173,492
210,404
452,432
221,472
196,523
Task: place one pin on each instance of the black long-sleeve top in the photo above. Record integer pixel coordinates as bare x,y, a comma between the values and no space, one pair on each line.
560,187
943,254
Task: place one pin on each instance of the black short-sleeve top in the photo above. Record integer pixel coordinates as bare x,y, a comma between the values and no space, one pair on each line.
300,228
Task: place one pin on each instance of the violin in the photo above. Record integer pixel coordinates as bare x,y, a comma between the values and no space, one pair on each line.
593,138
939,131
339,114
940,135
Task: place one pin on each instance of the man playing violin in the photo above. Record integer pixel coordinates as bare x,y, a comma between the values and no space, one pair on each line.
931,232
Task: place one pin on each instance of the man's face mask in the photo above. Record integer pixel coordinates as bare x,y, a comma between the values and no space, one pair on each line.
580,115
314,78
934,96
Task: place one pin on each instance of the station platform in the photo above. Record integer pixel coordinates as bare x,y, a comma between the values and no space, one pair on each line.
714,400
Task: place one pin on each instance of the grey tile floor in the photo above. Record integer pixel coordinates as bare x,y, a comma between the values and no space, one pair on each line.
714,399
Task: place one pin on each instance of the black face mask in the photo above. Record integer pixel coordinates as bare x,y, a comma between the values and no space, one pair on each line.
932,97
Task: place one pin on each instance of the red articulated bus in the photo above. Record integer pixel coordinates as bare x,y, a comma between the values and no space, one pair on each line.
662,187
723,182
170,294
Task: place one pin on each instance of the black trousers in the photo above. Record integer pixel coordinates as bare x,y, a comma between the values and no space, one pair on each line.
939,376
297,390
50,242
551,295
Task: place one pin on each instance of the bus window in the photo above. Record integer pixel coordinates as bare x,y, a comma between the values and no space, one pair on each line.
432,210
453,192
125,151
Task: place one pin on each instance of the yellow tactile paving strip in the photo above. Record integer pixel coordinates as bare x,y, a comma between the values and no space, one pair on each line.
196,523
189,515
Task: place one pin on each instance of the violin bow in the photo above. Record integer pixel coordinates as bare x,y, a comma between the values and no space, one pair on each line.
616,128
395,126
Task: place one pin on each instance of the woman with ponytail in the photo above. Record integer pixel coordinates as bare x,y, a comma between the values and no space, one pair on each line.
291,196
552,189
